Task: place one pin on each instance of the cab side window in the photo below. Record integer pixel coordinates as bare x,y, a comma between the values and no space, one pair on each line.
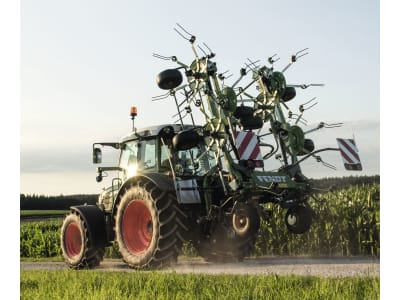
148,154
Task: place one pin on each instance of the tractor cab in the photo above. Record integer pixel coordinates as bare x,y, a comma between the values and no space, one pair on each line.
151,150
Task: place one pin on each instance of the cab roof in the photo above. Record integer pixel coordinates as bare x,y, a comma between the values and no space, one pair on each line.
153,131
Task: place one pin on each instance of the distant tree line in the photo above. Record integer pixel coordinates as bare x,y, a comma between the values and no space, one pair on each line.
30,202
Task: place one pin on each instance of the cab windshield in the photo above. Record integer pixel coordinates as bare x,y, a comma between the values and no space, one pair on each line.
136,156
152,155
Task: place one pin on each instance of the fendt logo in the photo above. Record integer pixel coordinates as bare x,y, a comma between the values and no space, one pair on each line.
272,178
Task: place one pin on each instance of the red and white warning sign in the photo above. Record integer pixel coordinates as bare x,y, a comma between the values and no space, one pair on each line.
349,152
247,145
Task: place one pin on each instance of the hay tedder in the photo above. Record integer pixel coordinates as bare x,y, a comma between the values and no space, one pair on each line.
203,182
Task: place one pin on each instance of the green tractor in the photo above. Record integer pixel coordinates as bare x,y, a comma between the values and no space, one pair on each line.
205,184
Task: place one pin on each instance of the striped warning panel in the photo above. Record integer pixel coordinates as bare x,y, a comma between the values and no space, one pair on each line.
247,145
349,152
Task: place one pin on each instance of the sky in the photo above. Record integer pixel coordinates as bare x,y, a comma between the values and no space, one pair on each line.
85,63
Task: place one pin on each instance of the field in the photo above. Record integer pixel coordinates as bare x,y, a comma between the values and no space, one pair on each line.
152,285
37,214
346,222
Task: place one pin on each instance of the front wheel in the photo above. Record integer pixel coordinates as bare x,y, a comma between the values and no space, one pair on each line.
77,245
149,226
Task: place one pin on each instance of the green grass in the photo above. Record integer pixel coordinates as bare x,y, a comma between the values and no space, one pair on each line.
98,285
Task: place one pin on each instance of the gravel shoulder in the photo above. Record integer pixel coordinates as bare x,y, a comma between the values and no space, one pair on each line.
326,267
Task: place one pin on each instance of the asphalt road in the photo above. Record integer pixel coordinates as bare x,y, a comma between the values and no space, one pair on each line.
327,267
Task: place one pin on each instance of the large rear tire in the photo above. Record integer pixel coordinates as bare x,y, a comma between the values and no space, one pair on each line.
77,244
149,226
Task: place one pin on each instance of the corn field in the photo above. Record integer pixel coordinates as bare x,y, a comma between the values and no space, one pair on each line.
40,239
346,223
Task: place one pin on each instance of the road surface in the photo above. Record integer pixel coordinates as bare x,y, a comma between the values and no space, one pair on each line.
327,267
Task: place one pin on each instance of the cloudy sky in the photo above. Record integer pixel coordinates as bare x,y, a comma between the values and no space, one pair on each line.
84,63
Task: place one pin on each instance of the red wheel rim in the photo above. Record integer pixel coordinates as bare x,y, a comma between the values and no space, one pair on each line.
73,240
137,227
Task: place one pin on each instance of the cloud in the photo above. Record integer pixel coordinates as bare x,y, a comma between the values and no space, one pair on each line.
48,160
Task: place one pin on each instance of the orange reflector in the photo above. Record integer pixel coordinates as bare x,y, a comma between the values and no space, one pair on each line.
133,111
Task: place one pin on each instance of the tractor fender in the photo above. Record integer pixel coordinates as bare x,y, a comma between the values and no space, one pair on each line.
95,220
162,181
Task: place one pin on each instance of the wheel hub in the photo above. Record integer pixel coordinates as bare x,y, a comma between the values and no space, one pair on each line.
73,240
240,223
292,219
137,227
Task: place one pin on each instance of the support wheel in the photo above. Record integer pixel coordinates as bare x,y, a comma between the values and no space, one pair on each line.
245,220
232,243
149,226
77,245
223,249
298,219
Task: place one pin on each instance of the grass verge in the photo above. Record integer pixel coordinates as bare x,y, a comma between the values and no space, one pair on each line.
68,284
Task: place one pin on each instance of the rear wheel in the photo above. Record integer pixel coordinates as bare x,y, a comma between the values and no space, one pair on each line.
149,226
77,244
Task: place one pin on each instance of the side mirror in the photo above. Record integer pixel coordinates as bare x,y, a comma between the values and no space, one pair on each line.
96,155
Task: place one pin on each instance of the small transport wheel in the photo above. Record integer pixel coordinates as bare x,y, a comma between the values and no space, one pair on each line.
251,122
149,226
298,219
169,79
308,147
243,111
186,140
288,94
246,116
77,245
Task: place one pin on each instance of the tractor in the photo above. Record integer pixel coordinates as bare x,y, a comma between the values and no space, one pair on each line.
200,182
